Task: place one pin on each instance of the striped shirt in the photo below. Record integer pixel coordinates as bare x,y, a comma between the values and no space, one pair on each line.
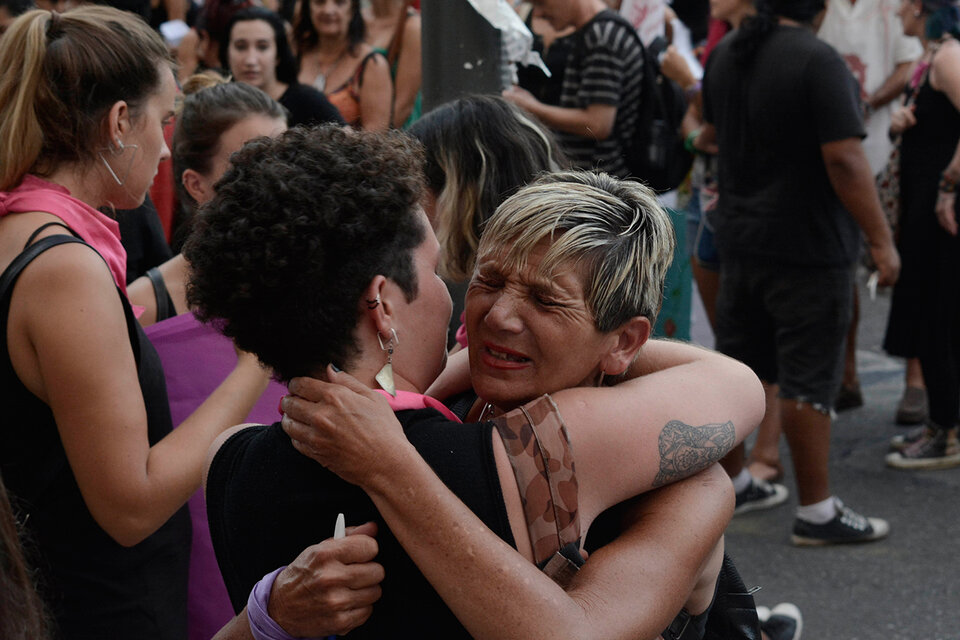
606,67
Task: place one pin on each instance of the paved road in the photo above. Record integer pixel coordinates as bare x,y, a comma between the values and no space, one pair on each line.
905,587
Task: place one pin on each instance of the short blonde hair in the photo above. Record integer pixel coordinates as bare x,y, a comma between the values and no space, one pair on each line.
614,231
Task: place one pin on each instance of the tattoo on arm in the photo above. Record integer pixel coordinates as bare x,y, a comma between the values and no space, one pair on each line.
686,449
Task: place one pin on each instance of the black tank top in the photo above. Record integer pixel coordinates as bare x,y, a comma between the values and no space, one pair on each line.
94,587
266,502
928,146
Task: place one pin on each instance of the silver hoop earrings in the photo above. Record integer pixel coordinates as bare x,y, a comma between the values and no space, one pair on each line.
117,152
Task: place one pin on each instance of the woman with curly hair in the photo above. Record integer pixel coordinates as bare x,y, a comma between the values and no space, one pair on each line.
334,58
99,479
315,251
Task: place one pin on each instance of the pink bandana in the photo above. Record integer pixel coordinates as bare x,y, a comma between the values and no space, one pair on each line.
410,400
99,231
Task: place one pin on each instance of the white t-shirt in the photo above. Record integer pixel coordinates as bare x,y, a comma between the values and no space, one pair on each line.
869,36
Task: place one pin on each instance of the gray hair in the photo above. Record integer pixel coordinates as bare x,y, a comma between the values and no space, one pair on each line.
614,231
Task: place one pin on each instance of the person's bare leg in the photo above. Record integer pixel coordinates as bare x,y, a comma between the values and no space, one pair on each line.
708,283
808,434
913,407
764,461
914,374
732,463
850,378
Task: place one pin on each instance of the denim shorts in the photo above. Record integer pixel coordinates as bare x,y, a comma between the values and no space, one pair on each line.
788,323
700,245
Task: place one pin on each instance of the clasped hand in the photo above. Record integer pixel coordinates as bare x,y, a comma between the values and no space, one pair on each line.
331,587
344,425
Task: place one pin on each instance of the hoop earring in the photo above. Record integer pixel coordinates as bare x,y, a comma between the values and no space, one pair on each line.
600,382
373,304
384,377
116,153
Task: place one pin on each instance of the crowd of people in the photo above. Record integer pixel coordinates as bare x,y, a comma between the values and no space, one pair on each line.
560,466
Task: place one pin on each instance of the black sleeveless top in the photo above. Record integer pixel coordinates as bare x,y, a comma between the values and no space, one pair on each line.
94,587
927,147
266,502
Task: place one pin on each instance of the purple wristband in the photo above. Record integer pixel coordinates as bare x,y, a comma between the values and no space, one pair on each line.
262,626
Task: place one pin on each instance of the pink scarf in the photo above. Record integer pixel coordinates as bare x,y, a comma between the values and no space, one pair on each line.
410,400
99,231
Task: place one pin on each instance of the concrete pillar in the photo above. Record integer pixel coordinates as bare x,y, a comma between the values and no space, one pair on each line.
461,52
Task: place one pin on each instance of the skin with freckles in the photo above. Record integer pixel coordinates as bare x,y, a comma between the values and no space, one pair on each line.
529,333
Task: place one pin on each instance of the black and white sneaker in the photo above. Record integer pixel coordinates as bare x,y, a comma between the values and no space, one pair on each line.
760,494
847,526
903,441
784,622
935,449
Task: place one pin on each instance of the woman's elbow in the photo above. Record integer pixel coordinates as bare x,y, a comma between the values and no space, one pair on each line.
751,398
598,129
127,527
128,532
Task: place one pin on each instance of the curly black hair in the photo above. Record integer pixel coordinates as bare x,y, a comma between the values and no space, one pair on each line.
299,226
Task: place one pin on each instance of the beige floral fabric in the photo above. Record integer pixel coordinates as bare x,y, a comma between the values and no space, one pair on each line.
542,458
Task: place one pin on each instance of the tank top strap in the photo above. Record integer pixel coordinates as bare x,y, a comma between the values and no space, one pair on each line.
41,228
28,255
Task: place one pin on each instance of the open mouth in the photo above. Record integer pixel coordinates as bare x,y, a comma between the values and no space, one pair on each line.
503,358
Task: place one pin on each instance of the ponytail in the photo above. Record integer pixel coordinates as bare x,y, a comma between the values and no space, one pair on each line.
24,47
756,29
73,68
753,31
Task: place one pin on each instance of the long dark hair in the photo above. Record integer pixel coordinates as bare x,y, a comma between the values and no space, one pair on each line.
755,29
305,32
22,614
287,67
479,150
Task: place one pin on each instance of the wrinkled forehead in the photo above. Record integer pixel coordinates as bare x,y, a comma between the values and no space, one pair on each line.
539,258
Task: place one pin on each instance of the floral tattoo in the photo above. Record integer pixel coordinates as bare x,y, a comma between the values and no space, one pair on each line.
686,449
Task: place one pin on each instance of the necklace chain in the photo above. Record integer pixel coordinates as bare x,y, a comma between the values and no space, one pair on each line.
321,82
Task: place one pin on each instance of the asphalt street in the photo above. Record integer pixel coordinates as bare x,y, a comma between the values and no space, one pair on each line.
906,586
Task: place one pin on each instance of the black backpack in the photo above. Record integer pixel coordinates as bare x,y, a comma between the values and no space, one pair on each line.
656,154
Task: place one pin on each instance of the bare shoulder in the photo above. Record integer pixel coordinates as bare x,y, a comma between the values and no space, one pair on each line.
412,26
376,61
71,269
945,72
947,56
